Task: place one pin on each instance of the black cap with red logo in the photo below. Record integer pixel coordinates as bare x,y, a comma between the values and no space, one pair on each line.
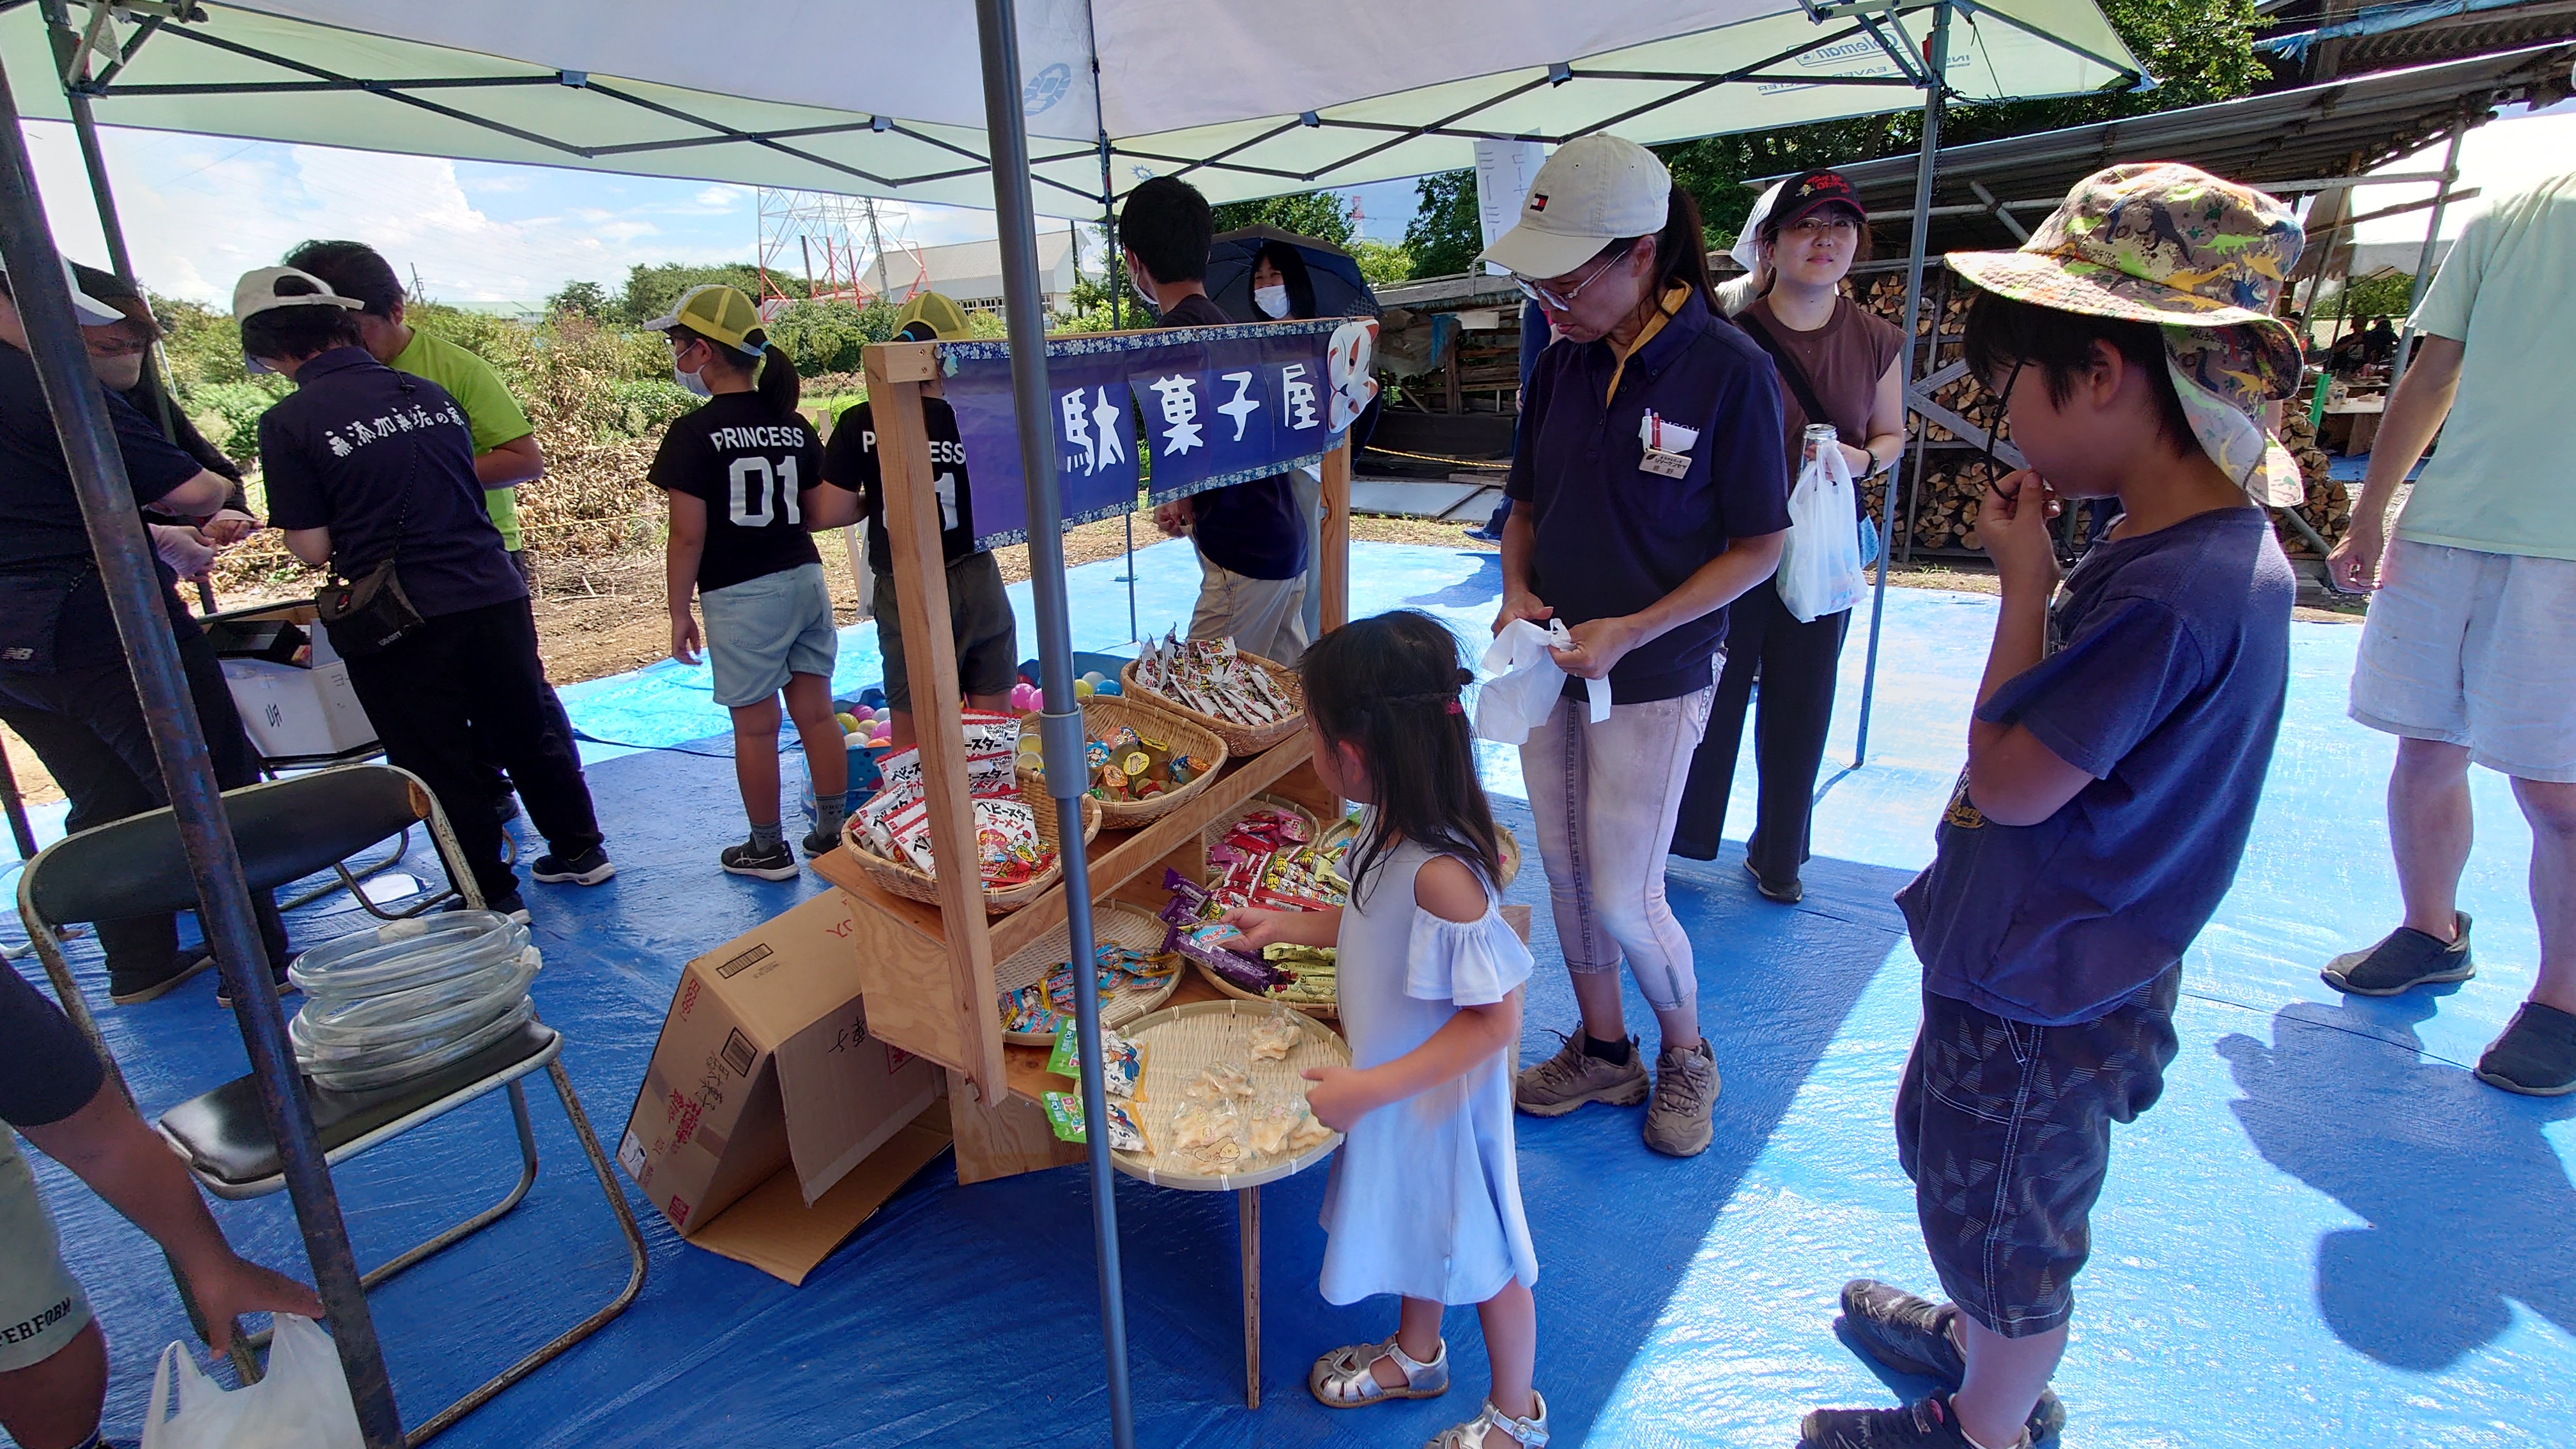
1811,192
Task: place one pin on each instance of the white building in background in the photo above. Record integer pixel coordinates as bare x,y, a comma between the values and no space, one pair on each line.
970,273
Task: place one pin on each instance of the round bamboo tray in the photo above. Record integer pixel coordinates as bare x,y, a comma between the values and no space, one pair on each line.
1103,714
1347,829
1182,1041
1215,834
1243,739
1113,923
902,879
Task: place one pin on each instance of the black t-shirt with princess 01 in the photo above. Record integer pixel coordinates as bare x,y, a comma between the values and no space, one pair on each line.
850,461
751,466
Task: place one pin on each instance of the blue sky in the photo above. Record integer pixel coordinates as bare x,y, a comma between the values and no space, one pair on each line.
200,210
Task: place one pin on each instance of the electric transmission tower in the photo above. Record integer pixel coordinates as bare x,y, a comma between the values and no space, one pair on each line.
831,242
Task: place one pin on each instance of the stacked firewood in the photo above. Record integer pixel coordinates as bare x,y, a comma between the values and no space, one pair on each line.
2328,508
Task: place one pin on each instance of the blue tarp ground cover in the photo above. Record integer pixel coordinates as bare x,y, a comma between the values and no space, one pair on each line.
2326,1234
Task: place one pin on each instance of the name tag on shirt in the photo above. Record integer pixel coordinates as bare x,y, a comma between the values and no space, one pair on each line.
1667,446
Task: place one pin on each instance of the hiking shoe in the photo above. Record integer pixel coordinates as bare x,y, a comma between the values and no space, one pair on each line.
1787,893
1573,1077
1685,1092
1911,1335
133,989
588,868
2536,1056
776,863
2403,960
1924,1424
822,840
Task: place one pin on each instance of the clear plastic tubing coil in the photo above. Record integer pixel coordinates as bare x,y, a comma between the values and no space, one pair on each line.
409,997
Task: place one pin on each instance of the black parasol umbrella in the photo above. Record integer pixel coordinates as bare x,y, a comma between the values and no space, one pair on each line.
1320,275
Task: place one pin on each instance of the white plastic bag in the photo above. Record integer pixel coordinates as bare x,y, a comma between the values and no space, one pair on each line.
1820,568
1527,682
303,1403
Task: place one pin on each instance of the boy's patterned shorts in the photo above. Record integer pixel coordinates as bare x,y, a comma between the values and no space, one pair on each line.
2005,1128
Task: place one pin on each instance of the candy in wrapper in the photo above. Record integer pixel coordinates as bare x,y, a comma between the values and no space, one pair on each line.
1122,1061
1189,903
1220,1082
1209,1136
1283,1129
1272,1037
1064,1114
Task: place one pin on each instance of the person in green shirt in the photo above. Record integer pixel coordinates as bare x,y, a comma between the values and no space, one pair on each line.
505,443
505,455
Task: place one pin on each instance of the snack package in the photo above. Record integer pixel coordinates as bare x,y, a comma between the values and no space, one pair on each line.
909,829
1220,1082
1122,1061
1308,1131
901,771
992,752
1189,905
1284,1129
1028,1012
1064,1114
1008,847
1273,1037
1209,1136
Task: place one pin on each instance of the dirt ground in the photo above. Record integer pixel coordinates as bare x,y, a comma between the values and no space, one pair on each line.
596,618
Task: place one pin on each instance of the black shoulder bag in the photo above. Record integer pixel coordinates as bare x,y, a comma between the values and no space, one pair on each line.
369,615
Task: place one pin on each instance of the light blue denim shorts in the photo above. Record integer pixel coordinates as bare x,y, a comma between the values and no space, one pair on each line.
762,630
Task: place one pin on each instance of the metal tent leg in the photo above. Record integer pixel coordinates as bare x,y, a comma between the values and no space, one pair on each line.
1940,58
1006,127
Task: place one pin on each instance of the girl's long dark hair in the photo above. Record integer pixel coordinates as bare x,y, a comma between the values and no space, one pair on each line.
1388,686
778,385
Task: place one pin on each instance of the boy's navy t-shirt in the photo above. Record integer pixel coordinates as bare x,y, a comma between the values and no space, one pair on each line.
2168,661
1614,538
1252,528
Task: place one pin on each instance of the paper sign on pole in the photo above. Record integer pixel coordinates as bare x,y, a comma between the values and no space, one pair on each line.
1504,171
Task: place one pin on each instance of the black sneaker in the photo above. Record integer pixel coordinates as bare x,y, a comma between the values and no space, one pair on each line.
137,988
2403,960
775,863
822,840
1911,1335
1787,893
2536,1056
513,905
1923,1424
588,868
224,990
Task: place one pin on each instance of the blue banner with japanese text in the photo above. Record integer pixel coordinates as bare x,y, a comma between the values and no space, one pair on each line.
1187,409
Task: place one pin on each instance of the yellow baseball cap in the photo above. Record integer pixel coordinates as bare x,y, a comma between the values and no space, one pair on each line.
945,319
718,313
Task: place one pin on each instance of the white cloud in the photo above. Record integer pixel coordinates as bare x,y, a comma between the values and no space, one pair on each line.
200,211
719,198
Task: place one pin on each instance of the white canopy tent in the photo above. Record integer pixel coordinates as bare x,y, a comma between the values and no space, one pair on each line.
912,101
882,97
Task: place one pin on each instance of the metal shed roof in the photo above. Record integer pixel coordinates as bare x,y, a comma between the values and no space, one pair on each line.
2290,142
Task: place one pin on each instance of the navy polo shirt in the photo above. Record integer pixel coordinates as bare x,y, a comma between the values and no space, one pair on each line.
1614,539
385,460
53,606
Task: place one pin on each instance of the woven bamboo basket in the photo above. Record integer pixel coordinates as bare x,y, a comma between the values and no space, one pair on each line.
1243,739
1113,923
902,879
1182,1041
1342,832
1102,715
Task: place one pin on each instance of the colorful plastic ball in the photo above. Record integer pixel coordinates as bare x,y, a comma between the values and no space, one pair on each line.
849,722
864,713
1093,678
1082,689
1108,686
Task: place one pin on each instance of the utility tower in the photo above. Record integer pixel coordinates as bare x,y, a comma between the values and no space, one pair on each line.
826,241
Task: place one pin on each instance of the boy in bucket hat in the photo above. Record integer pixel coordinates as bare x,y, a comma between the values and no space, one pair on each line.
2118,747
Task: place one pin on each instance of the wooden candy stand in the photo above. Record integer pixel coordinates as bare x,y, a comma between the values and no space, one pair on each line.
927,971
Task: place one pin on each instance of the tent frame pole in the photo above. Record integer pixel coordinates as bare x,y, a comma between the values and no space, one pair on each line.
2424,258
124,554
997,32
1916,365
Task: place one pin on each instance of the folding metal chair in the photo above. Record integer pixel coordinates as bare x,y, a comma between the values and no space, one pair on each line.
286,830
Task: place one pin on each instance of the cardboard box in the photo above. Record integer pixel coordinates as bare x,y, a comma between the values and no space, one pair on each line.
766,1092
292,709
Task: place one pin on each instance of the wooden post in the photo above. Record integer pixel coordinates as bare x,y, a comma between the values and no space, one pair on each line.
1248,1205
896,371
1333,569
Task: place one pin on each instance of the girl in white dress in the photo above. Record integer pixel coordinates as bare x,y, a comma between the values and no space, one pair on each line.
1425,1198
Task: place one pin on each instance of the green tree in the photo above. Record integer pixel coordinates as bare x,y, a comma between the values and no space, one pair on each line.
1382,263
1446,232
1324,215
581,299
2385,293
827,336
650,291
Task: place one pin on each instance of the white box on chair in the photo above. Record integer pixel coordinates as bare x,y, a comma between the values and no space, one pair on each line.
292,711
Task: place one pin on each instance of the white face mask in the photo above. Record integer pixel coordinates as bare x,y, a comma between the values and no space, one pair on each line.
690,380
1273,301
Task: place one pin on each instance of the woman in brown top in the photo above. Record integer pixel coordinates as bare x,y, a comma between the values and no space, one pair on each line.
1834,355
